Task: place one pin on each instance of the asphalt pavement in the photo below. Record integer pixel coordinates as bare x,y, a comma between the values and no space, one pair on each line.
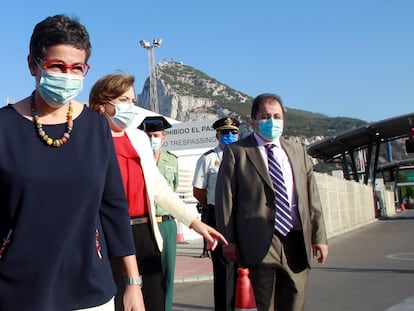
189,267
370,268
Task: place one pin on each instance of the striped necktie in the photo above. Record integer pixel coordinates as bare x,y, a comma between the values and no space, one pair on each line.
283,221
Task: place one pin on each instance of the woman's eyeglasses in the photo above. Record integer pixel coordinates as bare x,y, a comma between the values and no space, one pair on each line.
57,66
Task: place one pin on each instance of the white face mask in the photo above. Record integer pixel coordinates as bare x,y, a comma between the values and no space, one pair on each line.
155,143
124,115
57,89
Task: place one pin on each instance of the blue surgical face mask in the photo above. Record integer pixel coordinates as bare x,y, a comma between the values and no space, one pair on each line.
155,143
270,129
58,89
228,138
124,115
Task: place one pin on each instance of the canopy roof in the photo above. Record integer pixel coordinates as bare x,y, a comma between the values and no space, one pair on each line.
362,137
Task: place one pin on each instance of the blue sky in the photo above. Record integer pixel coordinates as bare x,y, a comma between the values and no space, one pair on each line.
350,58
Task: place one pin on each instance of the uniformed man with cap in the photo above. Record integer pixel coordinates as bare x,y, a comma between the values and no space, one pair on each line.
204,186
167,164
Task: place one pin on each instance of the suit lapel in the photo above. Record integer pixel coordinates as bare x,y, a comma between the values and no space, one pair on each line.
295,164
255,156
294,158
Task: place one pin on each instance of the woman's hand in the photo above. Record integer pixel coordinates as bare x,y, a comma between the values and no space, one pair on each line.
211,235
133,299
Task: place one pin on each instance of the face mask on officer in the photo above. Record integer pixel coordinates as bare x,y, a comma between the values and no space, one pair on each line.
228,136
156,143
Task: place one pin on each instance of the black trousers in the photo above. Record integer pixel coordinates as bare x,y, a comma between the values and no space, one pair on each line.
149,265
224,271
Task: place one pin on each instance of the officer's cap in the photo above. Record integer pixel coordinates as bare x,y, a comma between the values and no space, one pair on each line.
227,123
154,124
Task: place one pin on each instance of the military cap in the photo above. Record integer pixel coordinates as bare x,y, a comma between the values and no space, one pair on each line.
154,124
227,123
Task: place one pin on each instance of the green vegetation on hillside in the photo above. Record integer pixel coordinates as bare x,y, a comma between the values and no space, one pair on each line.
308,124
188,81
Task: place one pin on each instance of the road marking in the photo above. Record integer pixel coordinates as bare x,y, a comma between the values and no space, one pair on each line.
401,256
405,305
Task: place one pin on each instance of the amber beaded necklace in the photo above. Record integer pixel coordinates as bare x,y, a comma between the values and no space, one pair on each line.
49,141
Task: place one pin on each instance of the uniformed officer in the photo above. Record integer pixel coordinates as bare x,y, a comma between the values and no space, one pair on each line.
167,164
204,187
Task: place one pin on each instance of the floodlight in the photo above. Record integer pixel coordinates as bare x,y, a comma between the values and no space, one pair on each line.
157,42
145,44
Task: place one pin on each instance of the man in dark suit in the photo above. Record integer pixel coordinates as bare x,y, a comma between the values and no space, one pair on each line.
248,203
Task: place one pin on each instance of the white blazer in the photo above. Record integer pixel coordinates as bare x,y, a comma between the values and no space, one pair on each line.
158,190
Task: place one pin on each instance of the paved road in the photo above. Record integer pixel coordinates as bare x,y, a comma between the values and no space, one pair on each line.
371,268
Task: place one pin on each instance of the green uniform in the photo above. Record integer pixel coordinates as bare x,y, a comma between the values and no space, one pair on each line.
168,166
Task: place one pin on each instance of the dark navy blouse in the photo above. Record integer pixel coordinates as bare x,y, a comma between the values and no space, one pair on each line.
68,210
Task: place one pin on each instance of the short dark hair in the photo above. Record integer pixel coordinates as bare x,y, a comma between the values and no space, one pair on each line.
59,29
260,99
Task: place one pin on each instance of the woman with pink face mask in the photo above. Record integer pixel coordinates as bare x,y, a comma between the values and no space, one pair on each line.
113,96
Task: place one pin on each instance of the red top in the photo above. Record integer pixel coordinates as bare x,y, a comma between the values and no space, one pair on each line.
132,176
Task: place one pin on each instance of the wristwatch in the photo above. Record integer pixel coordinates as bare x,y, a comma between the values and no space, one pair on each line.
134,281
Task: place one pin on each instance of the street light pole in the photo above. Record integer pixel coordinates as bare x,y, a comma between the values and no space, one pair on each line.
152,71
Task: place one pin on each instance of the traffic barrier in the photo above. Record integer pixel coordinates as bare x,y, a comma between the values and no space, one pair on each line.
245,300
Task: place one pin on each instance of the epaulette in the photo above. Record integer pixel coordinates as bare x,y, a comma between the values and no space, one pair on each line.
172,154
208,152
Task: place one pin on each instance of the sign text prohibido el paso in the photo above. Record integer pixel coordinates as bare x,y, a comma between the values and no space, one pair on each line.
190,135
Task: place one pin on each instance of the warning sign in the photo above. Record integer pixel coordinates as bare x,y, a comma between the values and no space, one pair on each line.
190,135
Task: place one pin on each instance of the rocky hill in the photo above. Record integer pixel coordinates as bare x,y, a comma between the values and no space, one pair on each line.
185,93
